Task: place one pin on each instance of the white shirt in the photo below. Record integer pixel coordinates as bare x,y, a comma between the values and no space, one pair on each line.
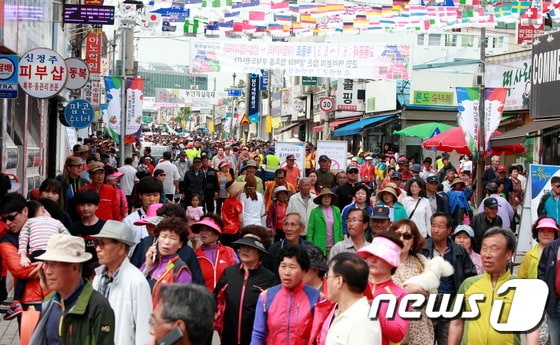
171,175
297,204
138,231
354,327
421,216
253,210
129,178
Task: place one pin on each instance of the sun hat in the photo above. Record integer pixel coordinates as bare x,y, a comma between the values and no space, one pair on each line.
95,166
83,148
281,189
251,240
388,189
206,221
464,228
150,213
115,175
316,257
223,164
118,231
250,163
547,223
383,248
65,248
457,180
73,161
236,188
325,191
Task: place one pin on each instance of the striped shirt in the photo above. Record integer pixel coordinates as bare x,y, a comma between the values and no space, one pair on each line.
36,232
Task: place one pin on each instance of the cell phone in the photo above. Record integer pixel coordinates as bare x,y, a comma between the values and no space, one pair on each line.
172,337
154,256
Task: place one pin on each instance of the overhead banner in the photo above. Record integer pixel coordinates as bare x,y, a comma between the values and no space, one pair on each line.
514,74
333,60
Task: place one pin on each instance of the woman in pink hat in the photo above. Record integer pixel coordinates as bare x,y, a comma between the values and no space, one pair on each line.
383,258
212,256
112,179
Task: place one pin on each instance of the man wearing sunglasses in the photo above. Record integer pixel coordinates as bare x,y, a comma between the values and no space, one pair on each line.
549,204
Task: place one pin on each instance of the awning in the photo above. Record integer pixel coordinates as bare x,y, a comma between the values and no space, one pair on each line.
288,127
359,126
334,124
318,129
518,135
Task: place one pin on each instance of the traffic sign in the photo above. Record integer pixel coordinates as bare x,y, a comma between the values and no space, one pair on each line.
245,120
326,104
9,76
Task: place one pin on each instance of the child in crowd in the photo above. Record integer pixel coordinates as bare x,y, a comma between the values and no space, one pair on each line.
232,213
33,239
194,213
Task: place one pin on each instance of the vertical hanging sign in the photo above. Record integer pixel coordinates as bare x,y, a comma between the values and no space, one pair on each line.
254,98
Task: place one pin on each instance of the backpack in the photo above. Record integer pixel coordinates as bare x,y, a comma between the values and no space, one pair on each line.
541,211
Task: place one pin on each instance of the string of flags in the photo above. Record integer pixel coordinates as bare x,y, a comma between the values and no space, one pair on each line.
234,18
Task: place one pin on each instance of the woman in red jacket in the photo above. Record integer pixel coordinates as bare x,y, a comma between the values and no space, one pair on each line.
212,256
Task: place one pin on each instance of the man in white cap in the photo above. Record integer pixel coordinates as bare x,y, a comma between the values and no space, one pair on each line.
74,313
122,284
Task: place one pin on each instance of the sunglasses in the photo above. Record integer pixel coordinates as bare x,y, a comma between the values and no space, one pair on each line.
406,235
11,217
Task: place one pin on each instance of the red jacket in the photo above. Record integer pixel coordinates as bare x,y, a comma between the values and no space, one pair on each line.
109,207
10,260
322,311
367,173
284,316
212,271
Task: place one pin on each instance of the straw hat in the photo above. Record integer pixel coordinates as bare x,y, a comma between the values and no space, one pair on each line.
325,191
457,180
236,188
388,189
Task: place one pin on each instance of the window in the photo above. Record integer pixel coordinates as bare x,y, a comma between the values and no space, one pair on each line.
450,40
421,39
434,40
467,41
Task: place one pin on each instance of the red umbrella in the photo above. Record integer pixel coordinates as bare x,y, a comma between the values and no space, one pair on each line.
454,140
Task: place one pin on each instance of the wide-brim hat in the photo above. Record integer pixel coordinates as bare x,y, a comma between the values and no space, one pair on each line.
250,163
65,248
95,166
117,231
457,180
209,222
251,240
281,189
325,191
383,248
388,189
150,213
236,188
316,257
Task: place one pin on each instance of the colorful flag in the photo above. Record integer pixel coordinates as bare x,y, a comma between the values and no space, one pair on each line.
134,102
517,7
112,110
468,100
532,16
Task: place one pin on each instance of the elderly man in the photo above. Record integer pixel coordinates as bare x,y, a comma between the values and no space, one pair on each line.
302,203
293,227
184,315
325,178
74,313
485,220
491,173
498,246
250,169
505,211
357,224
345,192
379,220
122,284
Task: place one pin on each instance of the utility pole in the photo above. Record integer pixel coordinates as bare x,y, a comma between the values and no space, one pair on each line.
481,118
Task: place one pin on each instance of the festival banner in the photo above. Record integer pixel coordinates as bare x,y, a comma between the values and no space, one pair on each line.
334,60
134,101
112,110
494,101
468,118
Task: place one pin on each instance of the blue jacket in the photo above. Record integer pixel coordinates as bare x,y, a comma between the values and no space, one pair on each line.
547,272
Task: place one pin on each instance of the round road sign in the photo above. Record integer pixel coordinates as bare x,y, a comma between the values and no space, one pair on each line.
326,104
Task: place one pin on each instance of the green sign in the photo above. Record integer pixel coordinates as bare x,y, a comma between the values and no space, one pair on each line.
433,97
309,81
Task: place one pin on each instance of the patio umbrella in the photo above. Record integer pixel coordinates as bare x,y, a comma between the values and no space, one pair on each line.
454,140
424,130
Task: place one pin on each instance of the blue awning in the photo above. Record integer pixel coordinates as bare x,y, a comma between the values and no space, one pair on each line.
357,127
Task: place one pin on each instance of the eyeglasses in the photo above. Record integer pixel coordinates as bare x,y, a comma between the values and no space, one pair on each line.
406,235
153,321
327,276
352,172
354,220
11,217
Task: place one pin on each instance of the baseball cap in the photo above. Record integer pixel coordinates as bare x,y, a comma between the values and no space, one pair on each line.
380,212
431,179
491,203
501,168
464,228
324,158
415,168
396,175
352,167
197,159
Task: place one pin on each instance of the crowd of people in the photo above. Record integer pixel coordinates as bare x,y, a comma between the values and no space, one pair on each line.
285,254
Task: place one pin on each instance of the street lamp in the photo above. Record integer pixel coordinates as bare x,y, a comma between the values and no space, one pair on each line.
234,76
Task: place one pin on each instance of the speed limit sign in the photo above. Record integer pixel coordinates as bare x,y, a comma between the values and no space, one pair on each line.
326,104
